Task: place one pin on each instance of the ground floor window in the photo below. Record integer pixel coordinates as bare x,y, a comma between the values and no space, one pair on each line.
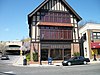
98,51
55,54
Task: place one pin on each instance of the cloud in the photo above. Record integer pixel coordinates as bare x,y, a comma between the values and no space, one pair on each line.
7,29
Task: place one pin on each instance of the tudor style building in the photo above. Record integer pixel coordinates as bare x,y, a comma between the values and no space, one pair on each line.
53,28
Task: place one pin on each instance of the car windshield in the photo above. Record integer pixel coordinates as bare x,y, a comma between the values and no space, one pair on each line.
72,58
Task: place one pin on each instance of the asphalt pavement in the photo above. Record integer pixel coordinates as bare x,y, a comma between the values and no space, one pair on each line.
17,60
90,69
6,68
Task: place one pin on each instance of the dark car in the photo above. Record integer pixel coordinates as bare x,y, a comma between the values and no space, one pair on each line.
4,57
75,61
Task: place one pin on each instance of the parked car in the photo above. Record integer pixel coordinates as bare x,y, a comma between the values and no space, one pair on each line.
75,61
4,57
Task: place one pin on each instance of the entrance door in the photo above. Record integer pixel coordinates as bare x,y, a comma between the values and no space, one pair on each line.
44,54
67,53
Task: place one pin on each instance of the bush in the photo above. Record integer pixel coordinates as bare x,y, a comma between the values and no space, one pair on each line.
28,57
76,54
35,57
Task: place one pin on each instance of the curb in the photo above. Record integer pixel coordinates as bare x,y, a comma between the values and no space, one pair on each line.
47,65
36,65
94,62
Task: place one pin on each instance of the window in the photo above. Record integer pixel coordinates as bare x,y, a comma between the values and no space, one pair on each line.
33,23
59,17
47,27
51,27
38,13
44,55
96,35
42,27
34,18
56,54
53,33
38,18
42,13
81,57
84,36
98,51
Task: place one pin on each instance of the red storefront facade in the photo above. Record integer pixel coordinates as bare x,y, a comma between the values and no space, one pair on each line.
95,47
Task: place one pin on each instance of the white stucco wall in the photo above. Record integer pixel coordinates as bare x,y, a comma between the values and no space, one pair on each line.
33,32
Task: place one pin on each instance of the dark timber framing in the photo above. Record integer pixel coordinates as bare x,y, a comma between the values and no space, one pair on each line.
53,29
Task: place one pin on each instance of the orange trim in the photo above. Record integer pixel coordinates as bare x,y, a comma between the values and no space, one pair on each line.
54,24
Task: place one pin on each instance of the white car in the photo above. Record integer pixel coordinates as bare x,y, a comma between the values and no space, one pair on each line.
4,57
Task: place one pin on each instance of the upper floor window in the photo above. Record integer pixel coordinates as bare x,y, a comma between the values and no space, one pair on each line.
60,17
96,35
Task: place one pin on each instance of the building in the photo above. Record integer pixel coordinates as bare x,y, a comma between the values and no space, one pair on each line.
90,40
53,28
11,47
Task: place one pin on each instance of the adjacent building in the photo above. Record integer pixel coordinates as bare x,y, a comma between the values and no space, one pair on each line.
90,40
11,47
53,29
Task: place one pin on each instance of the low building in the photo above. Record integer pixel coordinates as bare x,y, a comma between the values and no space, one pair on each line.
53,29
90,40
12,47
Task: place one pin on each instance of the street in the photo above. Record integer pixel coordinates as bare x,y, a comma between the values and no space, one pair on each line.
13,58
91,69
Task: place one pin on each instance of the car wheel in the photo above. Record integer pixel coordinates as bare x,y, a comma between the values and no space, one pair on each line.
69,63
85,62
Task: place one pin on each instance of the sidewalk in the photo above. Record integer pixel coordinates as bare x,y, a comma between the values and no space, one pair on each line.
34,65
19,62
94,62
46,65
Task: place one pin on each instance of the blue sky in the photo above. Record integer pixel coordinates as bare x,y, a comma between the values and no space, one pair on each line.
13,15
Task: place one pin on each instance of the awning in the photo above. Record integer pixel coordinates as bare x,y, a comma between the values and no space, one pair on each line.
95,44
54,24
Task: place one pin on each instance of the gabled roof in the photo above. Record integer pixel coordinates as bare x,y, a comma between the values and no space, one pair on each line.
43,3
39,7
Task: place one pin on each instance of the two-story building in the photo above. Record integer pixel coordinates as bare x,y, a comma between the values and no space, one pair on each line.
90,35
53,28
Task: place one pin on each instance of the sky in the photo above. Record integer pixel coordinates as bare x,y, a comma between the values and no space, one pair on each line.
13,15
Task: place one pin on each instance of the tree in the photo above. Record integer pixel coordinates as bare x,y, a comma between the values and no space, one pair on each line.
3,47
83,22
26,44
